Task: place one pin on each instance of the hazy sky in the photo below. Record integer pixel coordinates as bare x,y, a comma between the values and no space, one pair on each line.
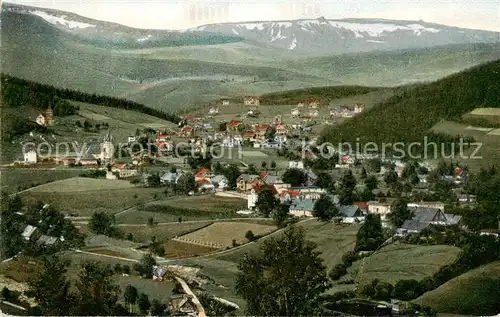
175,14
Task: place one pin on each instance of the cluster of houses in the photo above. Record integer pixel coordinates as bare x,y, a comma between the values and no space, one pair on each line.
33,235
346,111
206,181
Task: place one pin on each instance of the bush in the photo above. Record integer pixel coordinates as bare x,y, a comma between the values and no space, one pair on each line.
126,269
338,271
383,291
249,235
118,268
349,257
406,290
234,243
130,236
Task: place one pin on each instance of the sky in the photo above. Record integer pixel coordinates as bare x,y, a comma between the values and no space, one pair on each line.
183,14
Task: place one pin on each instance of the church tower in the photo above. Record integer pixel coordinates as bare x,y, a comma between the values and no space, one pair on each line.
49,117
107,148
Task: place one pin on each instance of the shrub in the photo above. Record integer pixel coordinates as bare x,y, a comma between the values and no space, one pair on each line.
249,235
349,257
126,269
118,268
338,271
234,243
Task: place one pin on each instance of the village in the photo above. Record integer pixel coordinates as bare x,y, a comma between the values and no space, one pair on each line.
248,158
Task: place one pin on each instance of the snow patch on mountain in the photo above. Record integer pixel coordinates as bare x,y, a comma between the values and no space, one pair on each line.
379,29
374,41
294,44
62,20
145,38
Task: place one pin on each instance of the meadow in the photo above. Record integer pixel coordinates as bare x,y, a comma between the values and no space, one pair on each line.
222,234
84,196
400,261
487,153
473,293
13,180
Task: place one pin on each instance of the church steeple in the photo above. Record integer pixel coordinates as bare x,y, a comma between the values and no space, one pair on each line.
49,116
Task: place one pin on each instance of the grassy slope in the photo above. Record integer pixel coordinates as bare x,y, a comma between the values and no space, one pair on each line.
332,241
425,105
401,261
475,292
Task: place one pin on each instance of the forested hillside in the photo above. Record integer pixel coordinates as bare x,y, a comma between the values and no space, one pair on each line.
408,116
17,93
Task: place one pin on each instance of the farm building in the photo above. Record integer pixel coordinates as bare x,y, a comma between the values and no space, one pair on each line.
351,214
182,304
251,101
31,233
379,208
30,157
424,217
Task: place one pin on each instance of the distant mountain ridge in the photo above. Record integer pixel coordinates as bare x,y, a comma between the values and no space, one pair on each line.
305,36
351,35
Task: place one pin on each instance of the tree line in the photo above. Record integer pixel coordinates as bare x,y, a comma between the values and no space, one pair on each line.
18,92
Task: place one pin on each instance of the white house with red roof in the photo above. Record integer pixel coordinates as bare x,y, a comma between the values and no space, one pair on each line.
203,173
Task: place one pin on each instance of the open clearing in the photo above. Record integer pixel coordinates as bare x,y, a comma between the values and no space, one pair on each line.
400,261
85,203
222,234
162,232
253,154
332,241
486,112
20,269
16,179
83,184
176,249
473,293
487,154
203,207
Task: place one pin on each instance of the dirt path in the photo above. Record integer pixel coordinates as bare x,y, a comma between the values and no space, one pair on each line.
175,222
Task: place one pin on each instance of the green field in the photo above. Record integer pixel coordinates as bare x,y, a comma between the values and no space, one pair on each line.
13,180
473,293
91,195
332,241
203,207
399,261
488,153
162,232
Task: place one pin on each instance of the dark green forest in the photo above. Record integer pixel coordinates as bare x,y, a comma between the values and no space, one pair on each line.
322,94
17,92
407,116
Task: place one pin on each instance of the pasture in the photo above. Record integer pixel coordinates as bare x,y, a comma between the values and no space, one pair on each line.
203,207
178,249
83,197
487,152
400,261
77,184
163,232
16,179
473,293
222,234
331,240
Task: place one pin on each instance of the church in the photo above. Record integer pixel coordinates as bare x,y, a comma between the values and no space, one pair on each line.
46,120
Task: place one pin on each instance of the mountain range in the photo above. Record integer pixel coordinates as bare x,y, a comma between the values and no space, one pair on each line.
175,69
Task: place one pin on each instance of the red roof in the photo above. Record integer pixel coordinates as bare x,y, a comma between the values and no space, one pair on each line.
234,123
263,175
262,127
258,187
203,181
361,204
249,134
292,193
187,128
202,172
120,166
